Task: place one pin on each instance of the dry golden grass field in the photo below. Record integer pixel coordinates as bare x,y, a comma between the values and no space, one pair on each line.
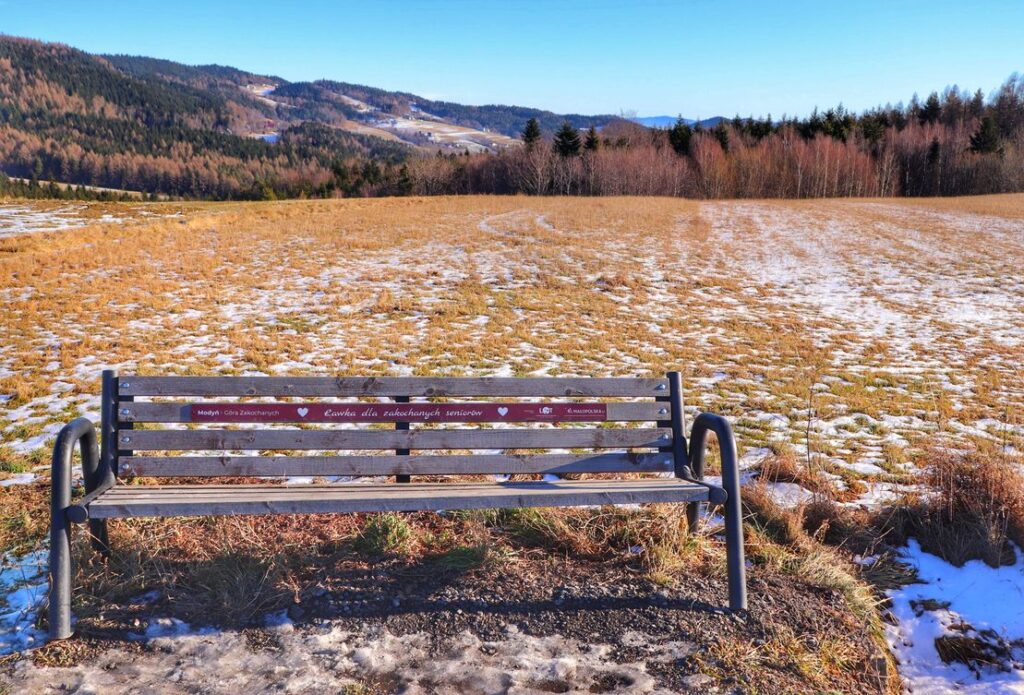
848,341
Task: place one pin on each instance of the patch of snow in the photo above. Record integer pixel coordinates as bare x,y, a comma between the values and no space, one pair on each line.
327,659
19,479
26,219
862,467
752,457
788,494
985,598
23,587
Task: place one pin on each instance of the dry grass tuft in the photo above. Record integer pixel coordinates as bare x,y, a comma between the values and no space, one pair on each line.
976,506
777,539
210,570
24,517
829,523
975,653
654,537
785,467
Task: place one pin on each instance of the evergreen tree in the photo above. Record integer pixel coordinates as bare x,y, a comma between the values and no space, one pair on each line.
404,185
987,139
567,141
872,127
934,152
931,110
721,134
531,133
592,143
679,136
977,104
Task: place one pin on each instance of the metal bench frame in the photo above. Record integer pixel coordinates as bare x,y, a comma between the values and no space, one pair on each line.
102,464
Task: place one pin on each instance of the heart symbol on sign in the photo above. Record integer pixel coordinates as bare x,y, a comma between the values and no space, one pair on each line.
303,412
503,411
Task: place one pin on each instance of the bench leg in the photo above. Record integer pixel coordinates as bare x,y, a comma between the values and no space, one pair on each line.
692,516
60,577
98,536
733,510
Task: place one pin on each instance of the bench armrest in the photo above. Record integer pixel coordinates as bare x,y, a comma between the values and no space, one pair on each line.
705,423
79,432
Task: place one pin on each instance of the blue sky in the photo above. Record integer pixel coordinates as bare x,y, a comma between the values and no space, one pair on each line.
698,58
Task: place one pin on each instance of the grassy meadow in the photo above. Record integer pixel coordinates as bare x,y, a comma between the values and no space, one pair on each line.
861,348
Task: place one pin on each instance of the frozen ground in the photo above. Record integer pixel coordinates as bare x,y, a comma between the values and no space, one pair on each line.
330,660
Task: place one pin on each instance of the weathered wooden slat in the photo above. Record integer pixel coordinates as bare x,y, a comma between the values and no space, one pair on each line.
327,440
201,386
289,412
385,489
130,501
244,466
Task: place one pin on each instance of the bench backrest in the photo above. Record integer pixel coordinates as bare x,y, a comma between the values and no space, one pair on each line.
373,426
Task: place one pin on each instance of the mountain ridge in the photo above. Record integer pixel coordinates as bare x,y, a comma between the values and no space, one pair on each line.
669,121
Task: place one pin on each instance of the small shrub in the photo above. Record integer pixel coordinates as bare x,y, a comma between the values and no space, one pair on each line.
463,558
382,534
11,462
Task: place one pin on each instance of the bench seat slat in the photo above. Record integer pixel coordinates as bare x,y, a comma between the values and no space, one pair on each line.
136,501
243,466
192,491
201,386
141,411
300,439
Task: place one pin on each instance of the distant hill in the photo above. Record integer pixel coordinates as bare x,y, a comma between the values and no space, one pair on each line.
158,127
507,120
669,121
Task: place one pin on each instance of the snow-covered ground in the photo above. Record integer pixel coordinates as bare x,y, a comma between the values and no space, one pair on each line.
22,593
974,601
25,219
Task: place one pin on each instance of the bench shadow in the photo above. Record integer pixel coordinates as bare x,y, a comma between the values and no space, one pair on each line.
368,593
428,589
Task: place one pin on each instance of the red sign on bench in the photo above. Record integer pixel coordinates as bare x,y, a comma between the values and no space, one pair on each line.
398,412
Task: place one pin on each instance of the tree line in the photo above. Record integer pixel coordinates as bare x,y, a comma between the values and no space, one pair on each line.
956,143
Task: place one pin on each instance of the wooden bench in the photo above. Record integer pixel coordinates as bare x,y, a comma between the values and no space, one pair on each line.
371,426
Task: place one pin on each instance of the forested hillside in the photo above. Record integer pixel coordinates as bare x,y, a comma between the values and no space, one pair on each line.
72,117
210,131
